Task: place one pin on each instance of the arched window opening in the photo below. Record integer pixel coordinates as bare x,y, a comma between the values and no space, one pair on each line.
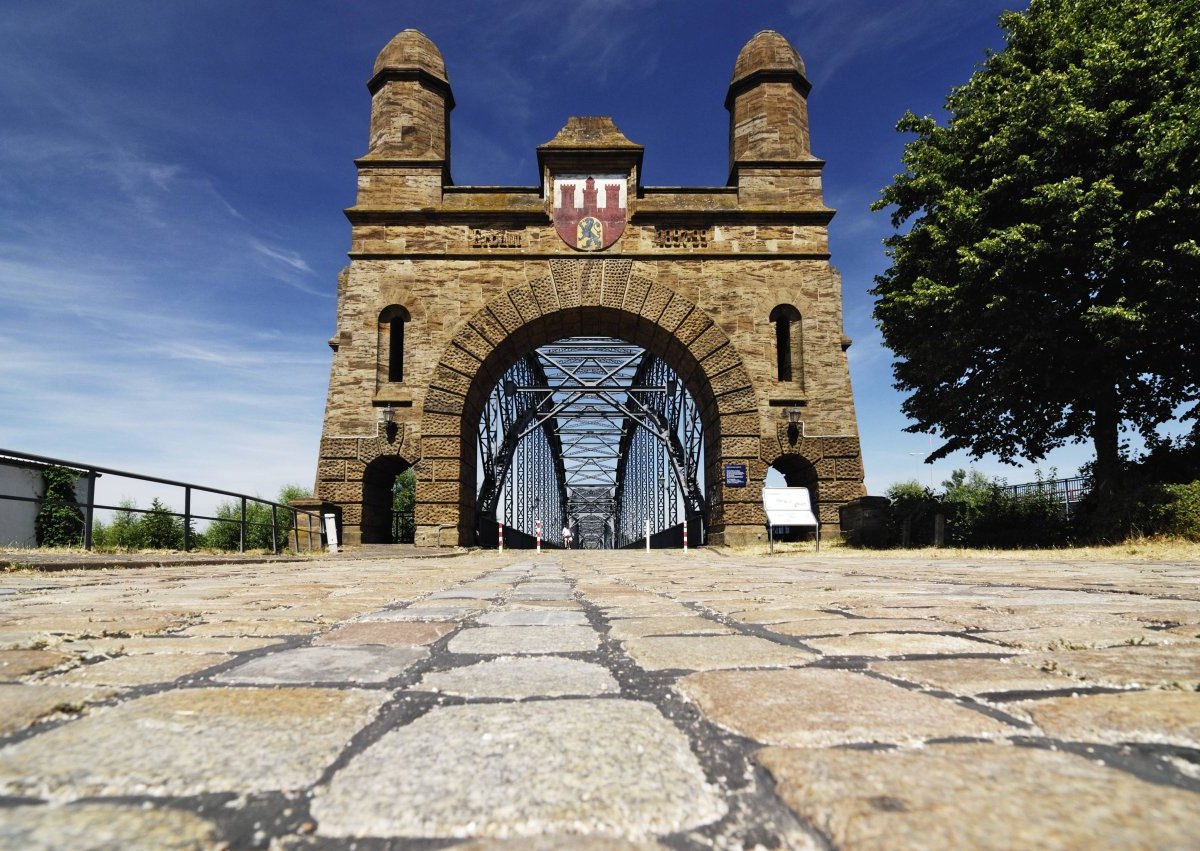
789,358
391,340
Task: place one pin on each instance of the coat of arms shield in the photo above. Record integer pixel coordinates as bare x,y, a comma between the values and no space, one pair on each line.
589,209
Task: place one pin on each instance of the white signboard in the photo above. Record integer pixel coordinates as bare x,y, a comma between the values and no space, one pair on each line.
789,507
331,532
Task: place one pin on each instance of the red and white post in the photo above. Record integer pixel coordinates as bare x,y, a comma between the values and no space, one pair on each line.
685,536
538,528
500,533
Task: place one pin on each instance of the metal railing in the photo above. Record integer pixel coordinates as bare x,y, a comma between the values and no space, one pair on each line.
1067,492
404,527
89,506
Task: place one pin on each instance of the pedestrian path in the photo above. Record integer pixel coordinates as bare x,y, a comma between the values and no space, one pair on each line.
602,700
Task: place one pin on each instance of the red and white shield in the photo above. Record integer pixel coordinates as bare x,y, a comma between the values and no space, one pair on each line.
589,209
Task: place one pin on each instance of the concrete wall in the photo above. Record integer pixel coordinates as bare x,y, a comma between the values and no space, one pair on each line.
18,518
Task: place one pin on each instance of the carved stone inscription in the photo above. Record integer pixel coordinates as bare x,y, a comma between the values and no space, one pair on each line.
666,237
495,238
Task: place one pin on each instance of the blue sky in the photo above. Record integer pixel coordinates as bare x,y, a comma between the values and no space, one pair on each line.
172,177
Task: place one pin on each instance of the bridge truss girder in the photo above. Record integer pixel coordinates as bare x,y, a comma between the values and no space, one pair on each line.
558,432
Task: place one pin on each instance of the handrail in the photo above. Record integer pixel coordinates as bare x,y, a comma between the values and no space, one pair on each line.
91,471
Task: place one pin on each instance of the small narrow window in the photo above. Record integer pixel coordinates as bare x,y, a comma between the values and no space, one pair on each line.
391,339
789,362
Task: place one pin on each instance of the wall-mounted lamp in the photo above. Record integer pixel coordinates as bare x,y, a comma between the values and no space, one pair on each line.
795,426
390,426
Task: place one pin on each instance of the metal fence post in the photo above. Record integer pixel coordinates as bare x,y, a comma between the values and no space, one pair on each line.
187,519
242,529
89,510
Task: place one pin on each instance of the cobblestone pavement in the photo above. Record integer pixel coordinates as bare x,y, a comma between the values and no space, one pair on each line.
602,701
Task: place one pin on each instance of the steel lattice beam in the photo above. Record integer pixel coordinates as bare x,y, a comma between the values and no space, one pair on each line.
595,433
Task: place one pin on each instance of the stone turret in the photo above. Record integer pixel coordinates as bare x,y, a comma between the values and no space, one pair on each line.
410,103
768,106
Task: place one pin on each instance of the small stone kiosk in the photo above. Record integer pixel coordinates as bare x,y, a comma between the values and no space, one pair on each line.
449,285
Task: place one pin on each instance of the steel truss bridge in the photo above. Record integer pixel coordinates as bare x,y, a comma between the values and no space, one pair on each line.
595,434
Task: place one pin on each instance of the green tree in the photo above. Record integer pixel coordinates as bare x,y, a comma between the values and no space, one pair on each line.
123,533
159,529
1046,291
404,498
225,532
59,522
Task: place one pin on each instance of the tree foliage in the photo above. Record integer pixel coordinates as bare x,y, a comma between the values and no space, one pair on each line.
157,528
404,499
1046,289
59,521
225,532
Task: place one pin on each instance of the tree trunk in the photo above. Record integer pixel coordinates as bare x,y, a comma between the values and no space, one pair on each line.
1107,440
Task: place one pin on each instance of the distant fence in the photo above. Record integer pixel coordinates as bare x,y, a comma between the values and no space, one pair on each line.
1067,492
286,521
404,527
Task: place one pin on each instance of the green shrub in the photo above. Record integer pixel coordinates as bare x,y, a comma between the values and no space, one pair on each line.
59,521
1179,512
912,511
224,533
986,513
123,533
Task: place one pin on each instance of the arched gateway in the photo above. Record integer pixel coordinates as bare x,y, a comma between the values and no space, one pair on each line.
449,287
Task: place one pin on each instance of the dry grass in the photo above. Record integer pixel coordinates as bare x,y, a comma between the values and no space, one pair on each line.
1135,549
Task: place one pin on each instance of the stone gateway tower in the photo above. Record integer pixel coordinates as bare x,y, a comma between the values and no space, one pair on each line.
449,286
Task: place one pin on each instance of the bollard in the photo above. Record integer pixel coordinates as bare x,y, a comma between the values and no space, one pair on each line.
647,536
538,528
500,532
685,537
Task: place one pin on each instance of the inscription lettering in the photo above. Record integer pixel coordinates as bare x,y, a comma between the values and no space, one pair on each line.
681,237
489,238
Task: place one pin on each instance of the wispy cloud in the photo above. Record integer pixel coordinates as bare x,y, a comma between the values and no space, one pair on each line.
283,255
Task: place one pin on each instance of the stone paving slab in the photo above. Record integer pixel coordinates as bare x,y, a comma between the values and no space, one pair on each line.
584,767
22,705
628,701
978,796
97,827
813,707
140,670
15,664
368,664
387,633
852,626
187,742
516,678
622,628
426,613
1161,717
526,617
500,640
1125,667
707,652
973,676
901,644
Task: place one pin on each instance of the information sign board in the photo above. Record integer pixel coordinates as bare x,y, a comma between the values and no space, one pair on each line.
789,507
735,475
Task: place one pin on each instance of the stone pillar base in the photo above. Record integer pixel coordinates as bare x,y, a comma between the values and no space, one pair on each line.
435,535
304,541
